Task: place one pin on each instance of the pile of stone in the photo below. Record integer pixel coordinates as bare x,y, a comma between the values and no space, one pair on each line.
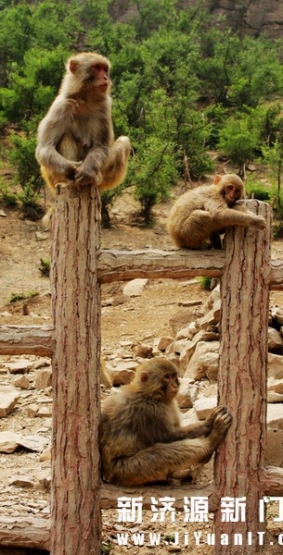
194,348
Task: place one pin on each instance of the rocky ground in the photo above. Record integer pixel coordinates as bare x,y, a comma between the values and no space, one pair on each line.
126,322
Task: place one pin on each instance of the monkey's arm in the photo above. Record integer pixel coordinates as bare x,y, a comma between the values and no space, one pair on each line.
222,216
201,429
50,131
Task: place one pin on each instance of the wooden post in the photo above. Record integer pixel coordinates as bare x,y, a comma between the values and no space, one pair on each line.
75,493
243,382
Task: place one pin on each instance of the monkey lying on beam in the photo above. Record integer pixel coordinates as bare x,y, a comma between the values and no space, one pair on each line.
140,435
204,213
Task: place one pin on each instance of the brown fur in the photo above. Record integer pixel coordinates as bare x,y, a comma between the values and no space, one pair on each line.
204,213
140,435
75,139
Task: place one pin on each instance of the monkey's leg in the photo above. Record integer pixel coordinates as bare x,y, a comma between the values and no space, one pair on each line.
116,165
195,229
157,462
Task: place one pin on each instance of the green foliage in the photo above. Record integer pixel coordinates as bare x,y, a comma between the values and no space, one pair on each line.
45,266
205,282
238,139
9,197
181,87
22,296
152,171
257,191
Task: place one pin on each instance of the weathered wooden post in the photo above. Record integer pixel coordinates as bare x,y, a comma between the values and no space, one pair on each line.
75,500
243,382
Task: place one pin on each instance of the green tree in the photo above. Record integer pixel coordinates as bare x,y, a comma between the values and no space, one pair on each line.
238,139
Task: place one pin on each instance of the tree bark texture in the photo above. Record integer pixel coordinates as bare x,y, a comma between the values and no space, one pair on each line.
242,381
75,495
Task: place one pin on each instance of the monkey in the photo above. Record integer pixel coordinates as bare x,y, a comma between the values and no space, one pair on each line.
140,435
75,140
204,213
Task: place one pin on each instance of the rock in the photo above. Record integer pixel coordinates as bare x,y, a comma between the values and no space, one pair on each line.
8,401
189,417
45,455
275,385
190,347
20,367
277,314
22,382
184,396
177,347
162,343
274,448
275,366
275,341
143,351
184,317
32,443
44,412
43,378
204,361
124,372
41,236
204,406
32,410
211,319
275,416
8,442
273,397
135,287
21,482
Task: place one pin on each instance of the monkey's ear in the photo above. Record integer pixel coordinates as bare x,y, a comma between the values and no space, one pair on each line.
73,64
144,377
217,179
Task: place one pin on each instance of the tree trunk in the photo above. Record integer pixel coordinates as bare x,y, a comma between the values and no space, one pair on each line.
75,499
243,381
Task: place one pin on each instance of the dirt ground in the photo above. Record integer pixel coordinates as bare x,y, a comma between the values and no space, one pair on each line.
139,319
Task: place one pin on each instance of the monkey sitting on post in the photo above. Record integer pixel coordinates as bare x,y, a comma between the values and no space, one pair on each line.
204,213
140,436
75,139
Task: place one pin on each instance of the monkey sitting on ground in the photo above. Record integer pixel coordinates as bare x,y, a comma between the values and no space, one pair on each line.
140,436
204,213
75,139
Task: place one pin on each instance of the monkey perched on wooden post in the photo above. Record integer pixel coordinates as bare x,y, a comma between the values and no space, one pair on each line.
140,436
204,213
75,139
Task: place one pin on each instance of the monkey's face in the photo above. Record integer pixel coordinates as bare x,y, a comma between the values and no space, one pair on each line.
99,74
159,380
170,386
232,193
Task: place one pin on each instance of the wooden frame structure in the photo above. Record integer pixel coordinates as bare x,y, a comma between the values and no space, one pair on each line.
79,267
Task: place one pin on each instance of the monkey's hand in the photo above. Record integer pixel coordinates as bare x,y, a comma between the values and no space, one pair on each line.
260,222
222,421
87,177
71,169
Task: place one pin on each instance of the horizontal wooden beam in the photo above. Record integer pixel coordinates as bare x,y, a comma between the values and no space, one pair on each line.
119,265
26,340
